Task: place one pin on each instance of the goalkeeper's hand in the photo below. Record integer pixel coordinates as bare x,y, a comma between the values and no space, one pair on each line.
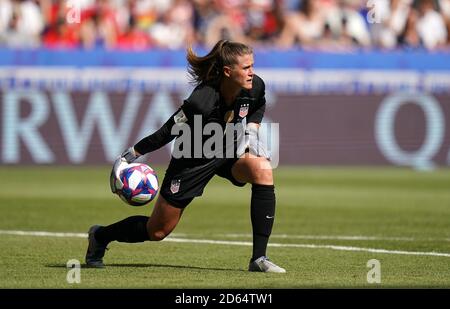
127,157
255,145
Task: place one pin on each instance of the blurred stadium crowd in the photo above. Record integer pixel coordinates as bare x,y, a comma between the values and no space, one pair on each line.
335,25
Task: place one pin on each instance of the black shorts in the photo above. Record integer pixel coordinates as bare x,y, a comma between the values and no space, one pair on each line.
185,179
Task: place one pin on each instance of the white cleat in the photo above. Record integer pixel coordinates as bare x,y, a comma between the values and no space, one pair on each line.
263,264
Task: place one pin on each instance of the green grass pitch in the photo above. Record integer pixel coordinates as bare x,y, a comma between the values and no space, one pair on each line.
328,223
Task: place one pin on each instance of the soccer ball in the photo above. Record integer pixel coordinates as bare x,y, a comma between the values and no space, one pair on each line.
140,184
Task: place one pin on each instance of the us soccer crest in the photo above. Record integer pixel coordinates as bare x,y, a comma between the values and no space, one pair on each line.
175,186
243,111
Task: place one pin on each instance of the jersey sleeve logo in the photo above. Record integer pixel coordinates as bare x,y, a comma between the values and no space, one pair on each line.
243,111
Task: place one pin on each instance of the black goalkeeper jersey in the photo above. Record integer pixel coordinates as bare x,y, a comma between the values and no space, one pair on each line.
205,105
206,101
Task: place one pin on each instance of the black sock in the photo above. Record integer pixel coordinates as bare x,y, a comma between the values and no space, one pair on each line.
262,212
132,229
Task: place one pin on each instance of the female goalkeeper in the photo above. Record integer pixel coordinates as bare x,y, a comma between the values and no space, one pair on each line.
227,92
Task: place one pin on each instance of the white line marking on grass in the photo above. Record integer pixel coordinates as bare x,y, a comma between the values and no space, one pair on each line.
328,237
310,246
237,243
40,233
346,248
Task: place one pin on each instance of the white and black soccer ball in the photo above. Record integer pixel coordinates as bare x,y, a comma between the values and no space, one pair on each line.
140,184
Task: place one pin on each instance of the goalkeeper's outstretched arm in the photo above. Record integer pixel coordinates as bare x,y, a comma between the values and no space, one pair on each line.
158,139
148,144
